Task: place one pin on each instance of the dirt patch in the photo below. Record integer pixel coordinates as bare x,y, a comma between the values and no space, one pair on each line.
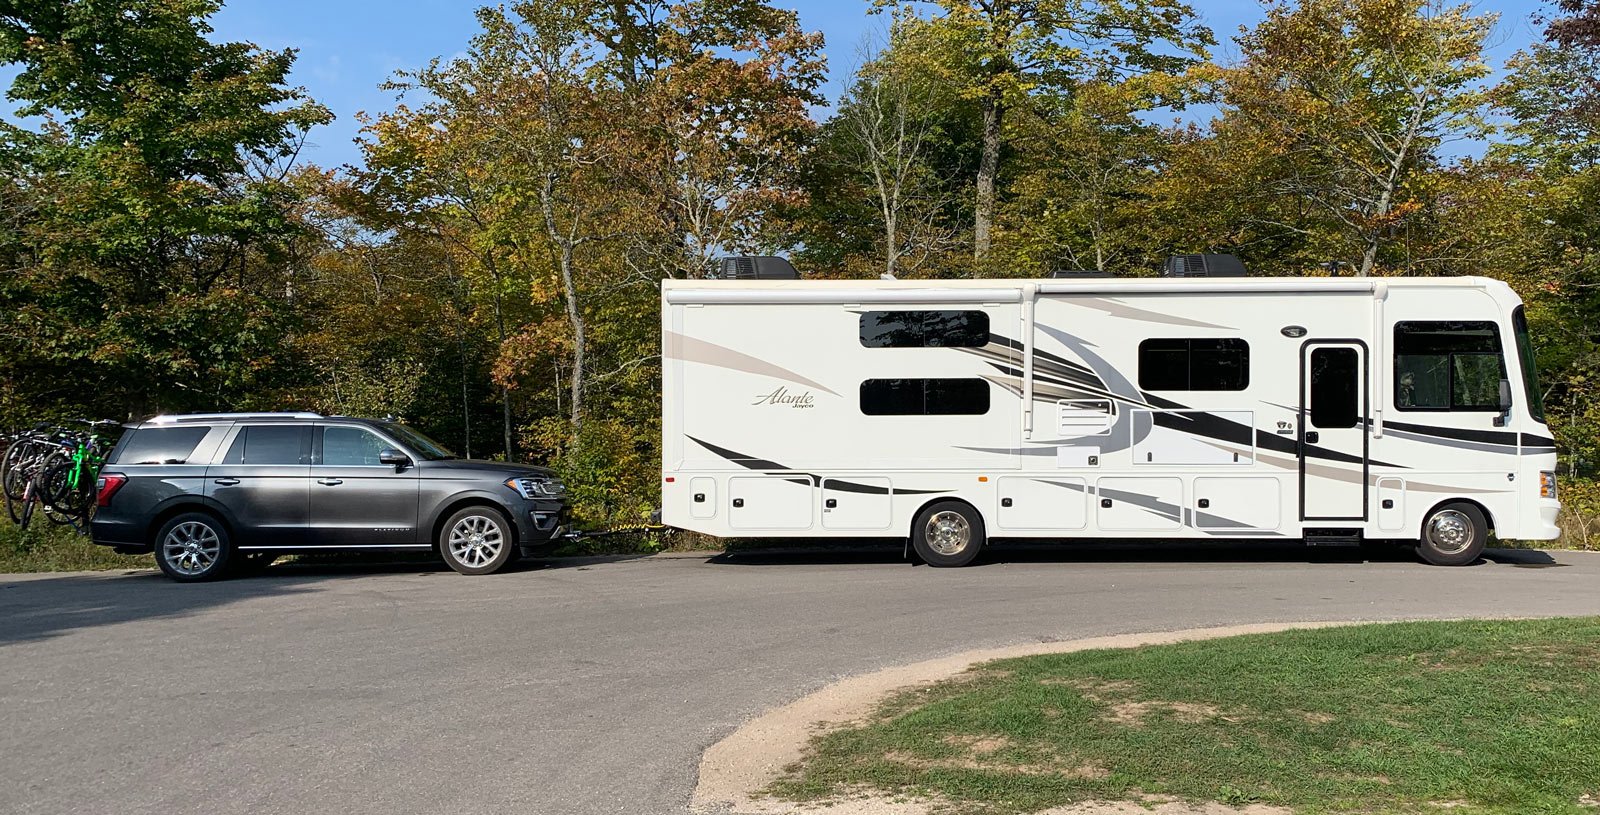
1132,713
734,770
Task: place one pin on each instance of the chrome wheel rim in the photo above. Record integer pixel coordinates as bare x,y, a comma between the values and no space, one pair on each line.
476,540
191,548
1450,531
948,532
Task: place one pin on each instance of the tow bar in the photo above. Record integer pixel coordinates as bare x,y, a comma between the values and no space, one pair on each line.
642,529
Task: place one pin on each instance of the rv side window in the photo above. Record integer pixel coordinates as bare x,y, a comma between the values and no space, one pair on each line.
924,329
1194,365
1447,365
924,397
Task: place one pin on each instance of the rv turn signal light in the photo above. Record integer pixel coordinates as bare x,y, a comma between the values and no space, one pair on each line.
1547,484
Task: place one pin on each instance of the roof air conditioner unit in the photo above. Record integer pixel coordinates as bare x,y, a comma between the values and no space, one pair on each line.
750,267
1204,266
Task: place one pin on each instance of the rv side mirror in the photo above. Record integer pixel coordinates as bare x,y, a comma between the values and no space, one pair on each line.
1505,404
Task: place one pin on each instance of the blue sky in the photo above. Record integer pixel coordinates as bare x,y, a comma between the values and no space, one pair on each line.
348,47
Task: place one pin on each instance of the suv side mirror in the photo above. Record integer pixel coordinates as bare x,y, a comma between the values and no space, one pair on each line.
1505,404
393,456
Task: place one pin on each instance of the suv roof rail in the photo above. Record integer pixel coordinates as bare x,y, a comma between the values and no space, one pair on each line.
212,417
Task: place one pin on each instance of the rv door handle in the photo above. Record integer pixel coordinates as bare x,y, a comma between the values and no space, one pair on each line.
1312,437
1005,502
1205,503
738,503
330,482
830,503
1105,503
699,498
227,482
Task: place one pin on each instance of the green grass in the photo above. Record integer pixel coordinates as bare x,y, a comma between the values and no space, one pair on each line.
50,548
1484,717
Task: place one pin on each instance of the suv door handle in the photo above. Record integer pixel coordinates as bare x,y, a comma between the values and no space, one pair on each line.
330,482
227,482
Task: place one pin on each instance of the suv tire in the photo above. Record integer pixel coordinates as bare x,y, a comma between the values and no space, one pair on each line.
193,547
476,540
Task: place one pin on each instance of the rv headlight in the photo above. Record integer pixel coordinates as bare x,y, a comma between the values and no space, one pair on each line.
1547,484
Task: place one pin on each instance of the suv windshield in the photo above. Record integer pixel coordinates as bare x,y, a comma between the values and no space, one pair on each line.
425,447
1530,375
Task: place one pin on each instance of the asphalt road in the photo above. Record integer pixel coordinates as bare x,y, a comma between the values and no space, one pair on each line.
581,687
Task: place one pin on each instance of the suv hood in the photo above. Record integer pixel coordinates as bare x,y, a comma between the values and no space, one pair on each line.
494,467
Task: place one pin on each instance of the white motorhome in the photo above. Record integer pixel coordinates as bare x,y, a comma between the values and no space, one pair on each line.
1333,410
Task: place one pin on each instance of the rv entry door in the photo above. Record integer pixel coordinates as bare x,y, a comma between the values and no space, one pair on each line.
1333,431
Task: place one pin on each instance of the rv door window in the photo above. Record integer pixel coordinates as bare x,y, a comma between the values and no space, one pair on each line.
1335,387
1194,364
924,397
924,329
1447,365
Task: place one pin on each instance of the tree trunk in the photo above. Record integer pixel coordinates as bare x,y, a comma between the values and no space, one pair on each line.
579,341
988,169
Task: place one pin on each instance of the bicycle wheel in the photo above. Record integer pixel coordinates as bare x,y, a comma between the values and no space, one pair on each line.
61,503
16,451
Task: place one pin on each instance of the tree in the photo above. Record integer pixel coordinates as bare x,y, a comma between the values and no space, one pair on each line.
886,133
152,213
999,53
1352,98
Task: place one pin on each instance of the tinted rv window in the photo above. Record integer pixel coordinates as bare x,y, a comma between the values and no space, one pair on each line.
924,329
1447,365
924,397
1194,365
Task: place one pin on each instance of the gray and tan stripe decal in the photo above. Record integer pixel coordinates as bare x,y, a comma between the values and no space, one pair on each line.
809,479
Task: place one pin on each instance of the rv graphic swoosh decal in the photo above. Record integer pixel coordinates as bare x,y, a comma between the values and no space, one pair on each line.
753,463
689,349
1117,308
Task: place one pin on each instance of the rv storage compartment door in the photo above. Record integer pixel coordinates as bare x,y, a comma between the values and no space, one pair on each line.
703,497
855,503
1139,503
1042,503
771,502
1237,503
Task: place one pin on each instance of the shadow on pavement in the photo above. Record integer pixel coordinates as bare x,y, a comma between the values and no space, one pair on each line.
38,608
1112,551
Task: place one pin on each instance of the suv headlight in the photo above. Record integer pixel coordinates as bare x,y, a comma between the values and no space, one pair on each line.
535,486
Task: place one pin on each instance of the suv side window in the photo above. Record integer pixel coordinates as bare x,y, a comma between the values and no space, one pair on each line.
351,447
271,444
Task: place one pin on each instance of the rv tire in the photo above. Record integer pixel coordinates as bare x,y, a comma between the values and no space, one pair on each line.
1453,534
947,533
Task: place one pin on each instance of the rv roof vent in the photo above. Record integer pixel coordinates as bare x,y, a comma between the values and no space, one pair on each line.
748,267
1058,273
1204,266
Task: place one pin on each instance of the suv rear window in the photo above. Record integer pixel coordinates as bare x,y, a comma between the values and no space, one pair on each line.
159,445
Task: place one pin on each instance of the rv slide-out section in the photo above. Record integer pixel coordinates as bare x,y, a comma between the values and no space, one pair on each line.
956,411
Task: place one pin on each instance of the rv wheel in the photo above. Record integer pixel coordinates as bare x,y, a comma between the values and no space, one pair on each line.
949,533
1453,535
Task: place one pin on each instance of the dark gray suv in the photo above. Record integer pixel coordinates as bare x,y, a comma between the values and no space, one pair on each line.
216,493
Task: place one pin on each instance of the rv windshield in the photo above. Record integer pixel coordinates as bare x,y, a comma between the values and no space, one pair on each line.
1530,375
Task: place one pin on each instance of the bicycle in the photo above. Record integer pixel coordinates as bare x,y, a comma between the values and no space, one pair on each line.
70,475
24,462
